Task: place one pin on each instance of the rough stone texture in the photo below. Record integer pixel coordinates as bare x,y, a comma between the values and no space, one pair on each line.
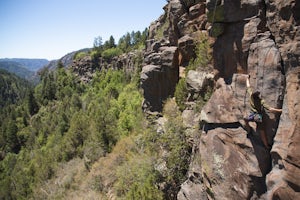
233,163
242,21
198,81
228,103
173,30
186,47
264,66
283,181
283,19
260,38
159,77
129,62
84,68
233,10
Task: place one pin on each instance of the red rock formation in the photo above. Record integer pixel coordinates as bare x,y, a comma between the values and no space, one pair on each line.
260,38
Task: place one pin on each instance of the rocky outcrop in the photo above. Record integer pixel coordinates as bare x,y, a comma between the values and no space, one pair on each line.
170,45
283,181
85,67
159,77
233,162
66,60
283,22
260,38
198,81
129,62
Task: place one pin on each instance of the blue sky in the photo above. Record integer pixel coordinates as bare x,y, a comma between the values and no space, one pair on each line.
52,28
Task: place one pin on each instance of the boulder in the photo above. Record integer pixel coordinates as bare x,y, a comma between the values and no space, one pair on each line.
228,103
189,3
159,77
233,163
198,81
197,10
186,47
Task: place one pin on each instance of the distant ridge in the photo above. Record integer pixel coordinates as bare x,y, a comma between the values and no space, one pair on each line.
66,60
28,63
18,67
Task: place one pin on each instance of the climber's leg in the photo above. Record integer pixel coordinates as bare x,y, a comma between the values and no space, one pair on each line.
264,138
248,119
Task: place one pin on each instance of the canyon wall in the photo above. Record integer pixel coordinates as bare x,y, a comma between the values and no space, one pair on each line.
256,37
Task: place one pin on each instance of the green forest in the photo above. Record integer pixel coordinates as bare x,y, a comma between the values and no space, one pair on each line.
62,120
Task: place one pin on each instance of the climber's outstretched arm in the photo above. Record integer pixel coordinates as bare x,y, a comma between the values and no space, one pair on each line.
275,110
248,82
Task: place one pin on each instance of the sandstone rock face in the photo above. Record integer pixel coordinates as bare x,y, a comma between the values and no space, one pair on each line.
186,47
260,38
283,181
264,66
283,21
228,103
198,81
159,77
234,162
85,67
170,45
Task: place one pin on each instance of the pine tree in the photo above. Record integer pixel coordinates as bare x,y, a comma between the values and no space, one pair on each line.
12,142
31,103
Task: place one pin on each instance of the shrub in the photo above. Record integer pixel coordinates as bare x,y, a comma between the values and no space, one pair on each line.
129,103
160,32
181,93
174,141
112,52
137,178
203,53
95,54
79,55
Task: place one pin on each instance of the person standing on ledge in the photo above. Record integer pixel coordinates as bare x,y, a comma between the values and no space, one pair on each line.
258,107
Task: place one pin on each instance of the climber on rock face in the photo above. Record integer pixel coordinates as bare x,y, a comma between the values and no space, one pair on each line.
258,107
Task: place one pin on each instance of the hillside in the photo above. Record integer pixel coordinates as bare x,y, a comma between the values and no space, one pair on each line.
161,114
24,68
17,69
30,64
12,88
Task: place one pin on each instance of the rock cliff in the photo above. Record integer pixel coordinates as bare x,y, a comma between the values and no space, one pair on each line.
86,67
260,38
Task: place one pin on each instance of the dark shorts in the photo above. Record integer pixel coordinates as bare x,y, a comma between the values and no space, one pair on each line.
254,117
